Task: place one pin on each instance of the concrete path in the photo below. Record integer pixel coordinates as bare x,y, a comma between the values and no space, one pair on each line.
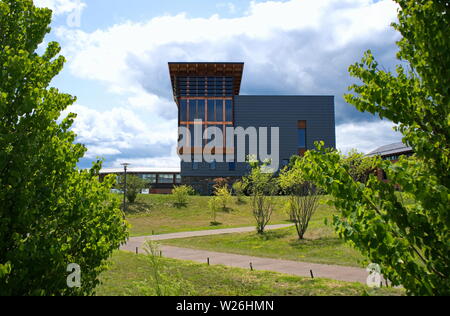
199,233
334,272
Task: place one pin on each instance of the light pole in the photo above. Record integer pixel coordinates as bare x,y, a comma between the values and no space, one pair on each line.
125,165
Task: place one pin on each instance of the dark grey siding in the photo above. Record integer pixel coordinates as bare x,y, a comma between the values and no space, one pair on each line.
283,112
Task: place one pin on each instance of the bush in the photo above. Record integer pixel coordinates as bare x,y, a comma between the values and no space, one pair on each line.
223,197
133,188
181,194
239,190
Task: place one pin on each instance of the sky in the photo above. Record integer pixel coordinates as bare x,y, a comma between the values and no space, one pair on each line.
117,53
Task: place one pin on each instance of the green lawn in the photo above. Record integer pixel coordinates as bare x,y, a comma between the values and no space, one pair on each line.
156,213
321,245
131,274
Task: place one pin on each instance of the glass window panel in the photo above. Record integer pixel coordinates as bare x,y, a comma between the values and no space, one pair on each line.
178,178
149,178
302,138
228,111
219,110
183,110
201,110
192,109
211,109
165,178
191,130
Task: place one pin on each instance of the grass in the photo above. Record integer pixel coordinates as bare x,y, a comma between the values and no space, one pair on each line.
321,245
131,274
156,214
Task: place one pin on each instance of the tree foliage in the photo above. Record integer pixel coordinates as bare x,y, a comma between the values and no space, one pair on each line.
303,198
239,190
134,186
359,166
406,233
262,186
51,213
181,195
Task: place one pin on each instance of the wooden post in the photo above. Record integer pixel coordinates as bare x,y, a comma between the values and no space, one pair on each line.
208,261
251,266
312,275
137,250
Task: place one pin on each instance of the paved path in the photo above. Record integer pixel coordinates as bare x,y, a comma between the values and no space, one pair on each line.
140,240
335,272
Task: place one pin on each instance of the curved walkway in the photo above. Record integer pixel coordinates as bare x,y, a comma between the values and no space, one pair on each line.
341,273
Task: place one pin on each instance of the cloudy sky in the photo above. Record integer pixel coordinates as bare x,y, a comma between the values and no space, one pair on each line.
117,53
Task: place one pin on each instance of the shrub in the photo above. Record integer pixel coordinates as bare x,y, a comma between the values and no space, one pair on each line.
134,186
239,189
223,197
181,194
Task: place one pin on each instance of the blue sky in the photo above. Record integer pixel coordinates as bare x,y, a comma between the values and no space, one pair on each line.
117,53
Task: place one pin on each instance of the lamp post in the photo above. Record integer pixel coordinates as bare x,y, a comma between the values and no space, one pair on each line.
125,165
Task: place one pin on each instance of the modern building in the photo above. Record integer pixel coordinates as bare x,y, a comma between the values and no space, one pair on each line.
208,95
390,152
160,180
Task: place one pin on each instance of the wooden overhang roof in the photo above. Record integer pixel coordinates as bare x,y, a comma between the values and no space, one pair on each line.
207,69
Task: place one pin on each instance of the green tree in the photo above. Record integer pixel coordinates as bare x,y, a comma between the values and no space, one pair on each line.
223,198
51,213
181,195
239,191
262,186
359,166
134,186
303,198
407,233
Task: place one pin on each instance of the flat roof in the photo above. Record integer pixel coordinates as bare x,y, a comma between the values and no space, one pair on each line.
141,170
205,69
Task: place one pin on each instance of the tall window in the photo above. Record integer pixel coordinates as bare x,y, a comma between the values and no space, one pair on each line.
211,111
183,110
228,111
201,110
192,109
301,130
219,110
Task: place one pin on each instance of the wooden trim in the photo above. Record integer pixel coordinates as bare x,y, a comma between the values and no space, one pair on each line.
301,124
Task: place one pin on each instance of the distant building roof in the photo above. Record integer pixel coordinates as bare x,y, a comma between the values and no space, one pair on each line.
396,148
141,170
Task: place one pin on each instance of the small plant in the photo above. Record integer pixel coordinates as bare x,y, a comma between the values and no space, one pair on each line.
223,197
262,187
214,207
239,189
163,284
181,194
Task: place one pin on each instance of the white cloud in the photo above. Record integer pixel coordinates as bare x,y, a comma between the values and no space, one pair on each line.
61,6
365,137
289,47
121,132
